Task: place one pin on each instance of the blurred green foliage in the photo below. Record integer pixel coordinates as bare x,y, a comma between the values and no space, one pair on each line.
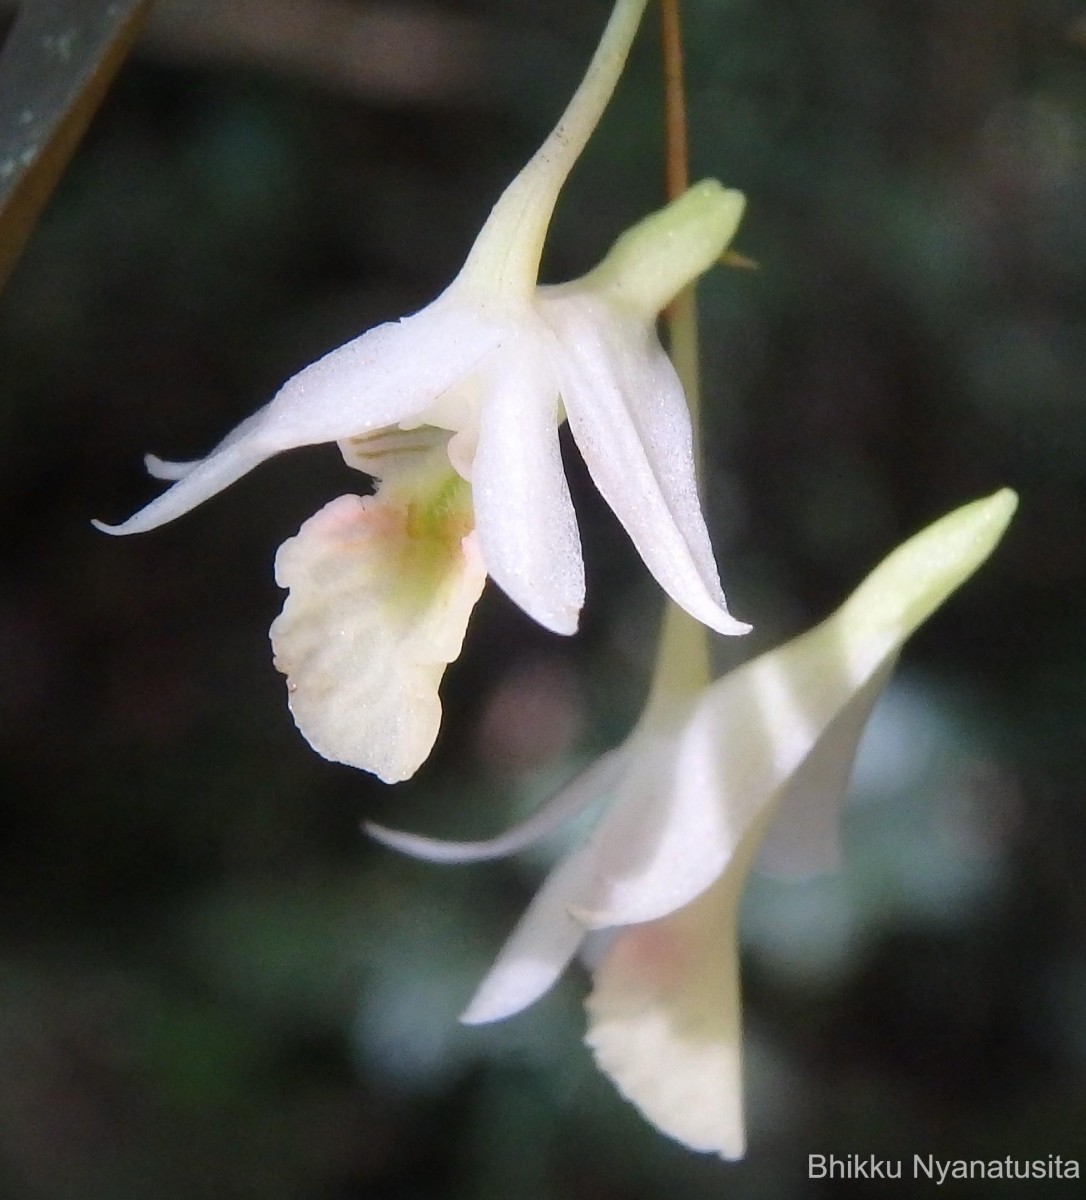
210,984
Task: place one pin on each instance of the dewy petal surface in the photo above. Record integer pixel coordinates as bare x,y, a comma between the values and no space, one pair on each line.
381,589
389,374
523,512
628,415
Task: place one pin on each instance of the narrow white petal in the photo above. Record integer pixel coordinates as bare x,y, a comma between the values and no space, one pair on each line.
375,613
584,790
523,512
246,447
538,950
805,836
161,468
629,417
664,1020
390,374
552,929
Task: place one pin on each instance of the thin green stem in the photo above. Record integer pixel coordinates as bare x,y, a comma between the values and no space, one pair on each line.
682,659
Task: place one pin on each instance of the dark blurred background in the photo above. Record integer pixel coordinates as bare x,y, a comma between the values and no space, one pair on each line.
210,984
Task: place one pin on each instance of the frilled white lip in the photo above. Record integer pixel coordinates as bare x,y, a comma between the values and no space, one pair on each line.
377,609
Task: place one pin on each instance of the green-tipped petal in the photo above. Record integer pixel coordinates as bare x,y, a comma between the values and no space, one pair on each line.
653,261
910,584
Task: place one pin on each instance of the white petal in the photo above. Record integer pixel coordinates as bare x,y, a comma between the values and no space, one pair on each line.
375,613
538,950
667,863
551,929
161,468
629,417
805,836
390,374
527,528
584,790
664,1020
748,733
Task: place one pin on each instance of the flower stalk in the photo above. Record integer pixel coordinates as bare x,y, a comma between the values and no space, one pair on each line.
682,657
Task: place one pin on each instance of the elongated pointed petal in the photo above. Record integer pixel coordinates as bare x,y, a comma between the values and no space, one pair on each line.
162,468
537,951
551,930
237,454
628,415
584,790
377,608
664,1020
523,512
390,374
751,730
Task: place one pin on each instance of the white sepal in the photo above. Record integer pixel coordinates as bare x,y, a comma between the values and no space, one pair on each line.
379,379
628,415
523,512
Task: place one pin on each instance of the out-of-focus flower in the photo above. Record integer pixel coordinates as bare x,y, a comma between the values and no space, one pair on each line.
485,374
692,792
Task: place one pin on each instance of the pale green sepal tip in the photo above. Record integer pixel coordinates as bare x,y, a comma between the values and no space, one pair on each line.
913,581
659,256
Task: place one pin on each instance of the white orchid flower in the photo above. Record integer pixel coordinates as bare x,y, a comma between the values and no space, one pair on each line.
692,791
474,387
